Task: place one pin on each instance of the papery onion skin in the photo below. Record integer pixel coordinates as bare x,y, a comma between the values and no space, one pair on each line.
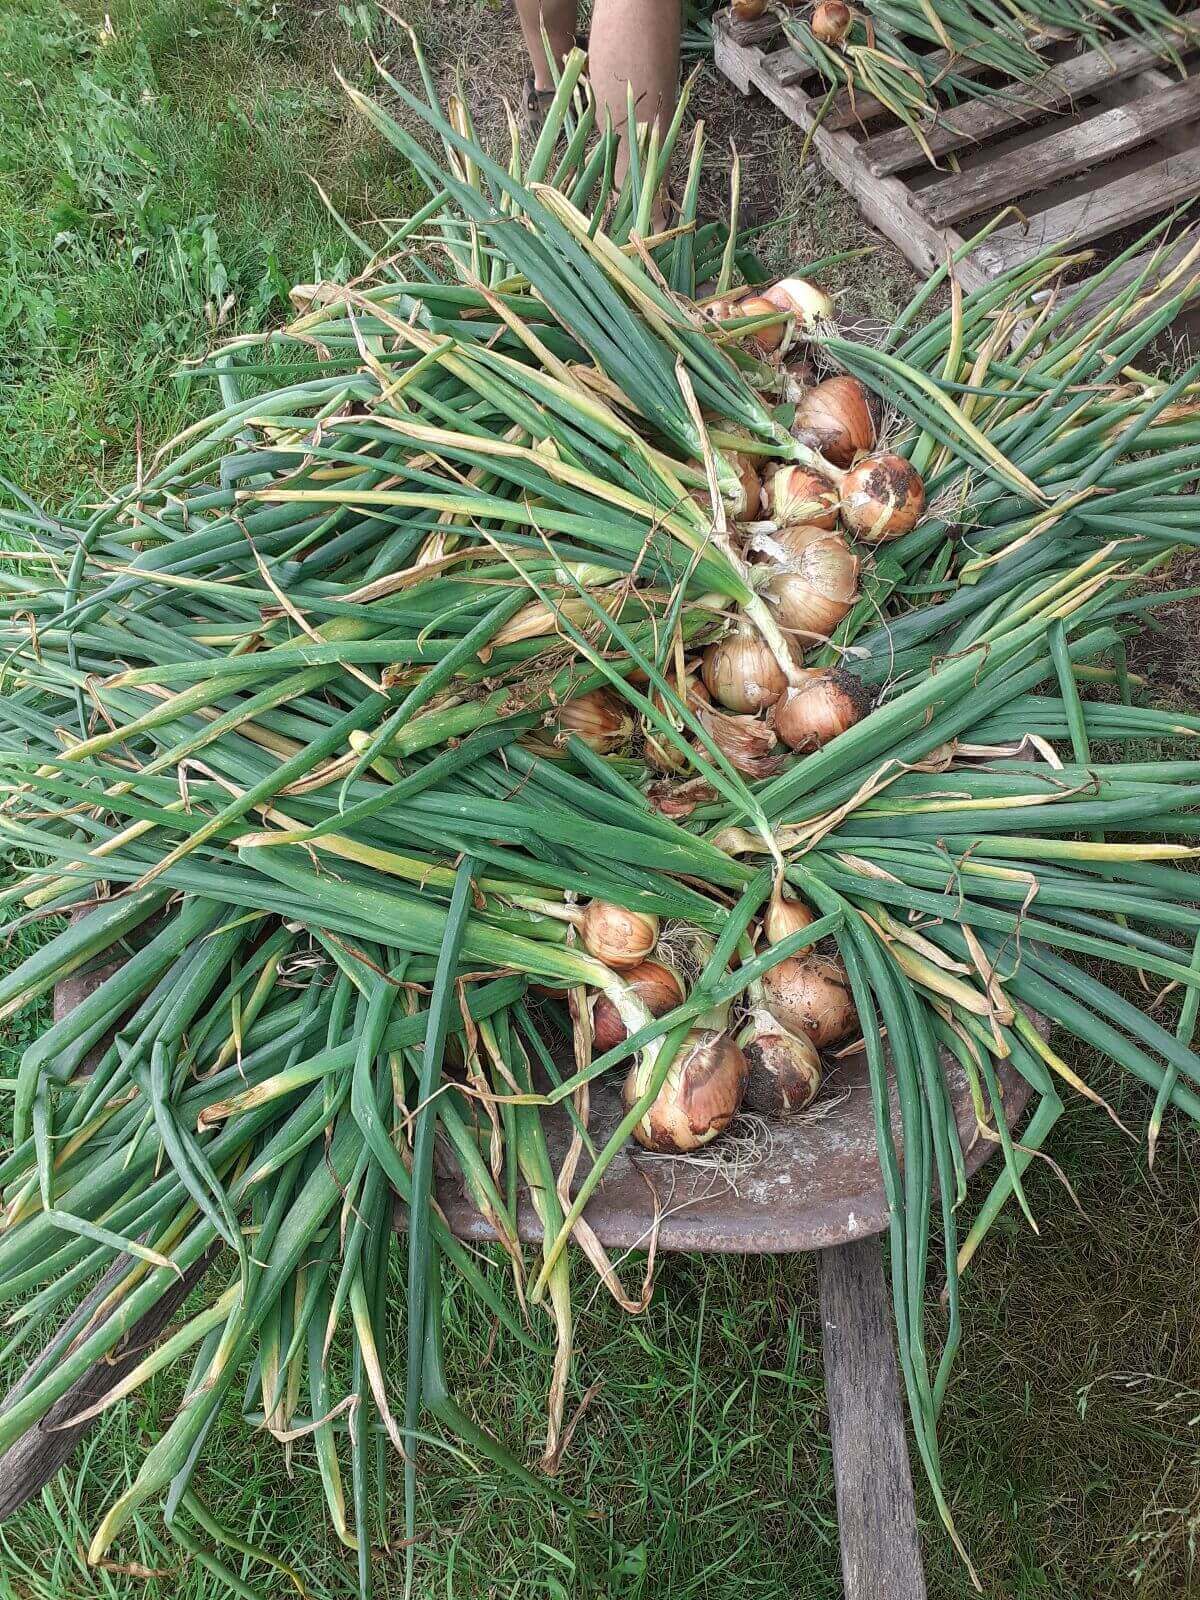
784,1071
616,936
749,505
839,417
882,497
747,743
703,1091
814,588
823,707
800,495
600,718
741,672
810,995
831,21
657,986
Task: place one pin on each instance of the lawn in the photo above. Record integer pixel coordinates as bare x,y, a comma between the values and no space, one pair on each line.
158,172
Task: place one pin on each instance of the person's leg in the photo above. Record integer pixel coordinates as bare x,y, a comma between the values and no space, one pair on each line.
558,17
635,42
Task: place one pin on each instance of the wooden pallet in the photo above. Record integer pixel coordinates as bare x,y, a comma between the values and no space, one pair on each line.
1104,141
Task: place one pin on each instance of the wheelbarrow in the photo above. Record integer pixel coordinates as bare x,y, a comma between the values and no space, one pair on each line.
820,1189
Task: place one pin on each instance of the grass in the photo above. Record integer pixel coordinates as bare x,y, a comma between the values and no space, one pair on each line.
152,168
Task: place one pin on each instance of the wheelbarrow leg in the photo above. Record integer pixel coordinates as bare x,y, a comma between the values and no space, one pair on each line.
877,1522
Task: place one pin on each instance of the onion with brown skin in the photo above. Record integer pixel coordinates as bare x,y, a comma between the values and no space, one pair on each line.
700,1096
785,914
620,938
799,495
806,305
600,718
766,340
882,497
660,990
741,672
839,418
814,586
810,996
747,10
749,504
831,21
784,1068
827,703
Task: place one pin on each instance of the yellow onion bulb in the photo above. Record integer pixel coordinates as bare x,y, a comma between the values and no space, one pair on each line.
815,586
806,305
747,10
785,915
600,718
882,497
618,937
700,1096
831,21
768,339
810,996
658,987
838,417
784,1068
748,505
740,671
825,705
800,495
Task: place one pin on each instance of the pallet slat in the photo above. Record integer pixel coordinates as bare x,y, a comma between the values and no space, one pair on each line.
1060,153
1089,216
983,119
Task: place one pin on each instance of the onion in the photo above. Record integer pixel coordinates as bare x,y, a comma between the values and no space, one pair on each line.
600,718
784,1069
749,504
816,585
831,21
659,989
825,705
785,915
699,1098
741,671
797,494
882,497
747,10
806,305
618,937
810,996
747,744
768,339
838,417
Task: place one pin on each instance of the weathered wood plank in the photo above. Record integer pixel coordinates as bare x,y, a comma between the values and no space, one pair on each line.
1119,204
877,1522
1063,150
983,119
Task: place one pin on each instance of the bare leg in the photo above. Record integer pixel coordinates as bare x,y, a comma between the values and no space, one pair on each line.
635,42
559,19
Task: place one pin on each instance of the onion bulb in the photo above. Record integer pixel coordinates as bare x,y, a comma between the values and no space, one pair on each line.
658,987
798,494
831,21
810,996
806,305
766,340
699,1098
882,497
838,417
747,10
619,938
784,1068
815,586
825,705
600,718
785,915
741,672
749,502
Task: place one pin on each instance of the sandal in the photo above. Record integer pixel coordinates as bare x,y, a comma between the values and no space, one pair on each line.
538,101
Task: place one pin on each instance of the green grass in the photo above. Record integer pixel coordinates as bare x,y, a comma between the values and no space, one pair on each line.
148,174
